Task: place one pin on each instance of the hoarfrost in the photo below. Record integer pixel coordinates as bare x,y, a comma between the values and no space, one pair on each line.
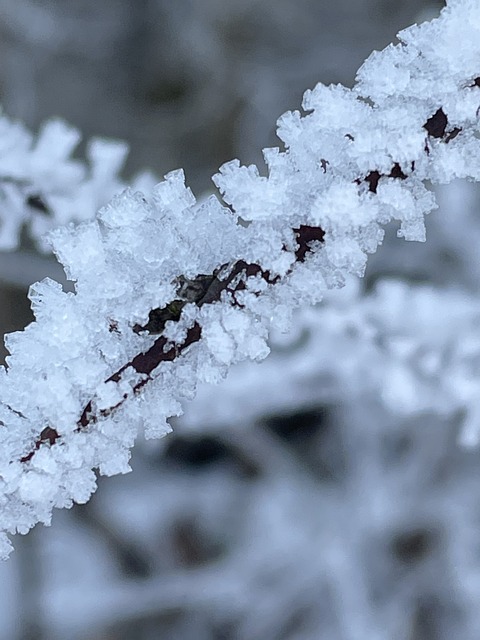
169,291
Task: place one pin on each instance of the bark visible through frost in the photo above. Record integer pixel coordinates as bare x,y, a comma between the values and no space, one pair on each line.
208,289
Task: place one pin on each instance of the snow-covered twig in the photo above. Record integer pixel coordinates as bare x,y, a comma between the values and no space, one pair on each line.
169,292
42,186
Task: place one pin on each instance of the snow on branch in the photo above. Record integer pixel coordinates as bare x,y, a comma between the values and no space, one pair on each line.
43,187
170,292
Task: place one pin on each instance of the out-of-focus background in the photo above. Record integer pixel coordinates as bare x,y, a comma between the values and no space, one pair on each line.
291,502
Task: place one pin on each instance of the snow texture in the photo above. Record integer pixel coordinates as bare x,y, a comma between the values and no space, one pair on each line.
170,292
42,186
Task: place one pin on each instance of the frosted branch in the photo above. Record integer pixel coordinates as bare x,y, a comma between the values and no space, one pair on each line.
170,292
42,186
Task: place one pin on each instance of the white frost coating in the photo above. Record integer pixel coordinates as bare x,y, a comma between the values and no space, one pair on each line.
414,347
42,187
80,382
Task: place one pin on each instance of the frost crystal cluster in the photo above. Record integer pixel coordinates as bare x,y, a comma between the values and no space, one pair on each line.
414,348
42,186
170,292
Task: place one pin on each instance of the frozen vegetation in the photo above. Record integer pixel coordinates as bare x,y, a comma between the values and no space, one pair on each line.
171,294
